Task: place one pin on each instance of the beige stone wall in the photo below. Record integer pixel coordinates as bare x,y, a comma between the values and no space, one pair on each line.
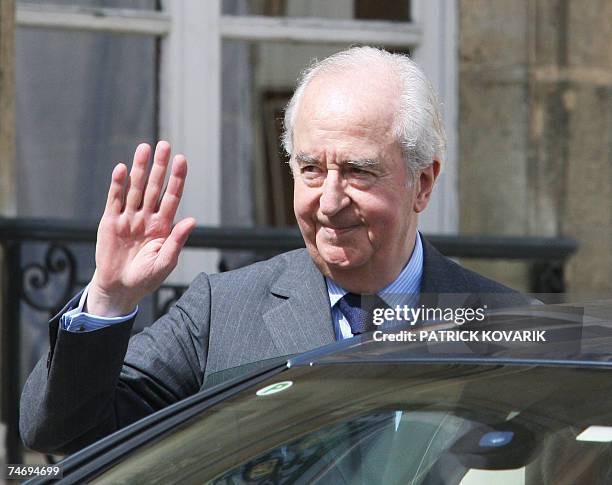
493,139
535,130
7,108
588,97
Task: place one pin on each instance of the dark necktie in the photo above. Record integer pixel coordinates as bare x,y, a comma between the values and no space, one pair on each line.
359,311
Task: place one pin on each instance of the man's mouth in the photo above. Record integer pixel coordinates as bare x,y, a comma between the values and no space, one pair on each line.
335,231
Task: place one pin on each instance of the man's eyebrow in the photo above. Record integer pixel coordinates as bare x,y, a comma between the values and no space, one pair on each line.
302,158
363,163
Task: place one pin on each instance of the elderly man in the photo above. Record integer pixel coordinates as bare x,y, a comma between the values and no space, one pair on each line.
366,144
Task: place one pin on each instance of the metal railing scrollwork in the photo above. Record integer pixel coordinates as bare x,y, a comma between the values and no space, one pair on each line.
36,278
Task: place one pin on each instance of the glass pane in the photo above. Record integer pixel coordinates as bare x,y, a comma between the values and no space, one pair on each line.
338,9
83,101
258,80
132,4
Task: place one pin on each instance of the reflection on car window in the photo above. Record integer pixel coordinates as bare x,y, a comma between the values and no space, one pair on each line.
392,424
388,447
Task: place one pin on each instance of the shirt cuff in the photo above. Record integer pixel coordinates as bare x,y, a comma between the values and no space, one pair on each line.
76,320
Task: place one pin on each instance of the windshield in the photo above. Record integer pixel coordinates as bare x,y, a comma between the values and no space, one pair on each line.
416,424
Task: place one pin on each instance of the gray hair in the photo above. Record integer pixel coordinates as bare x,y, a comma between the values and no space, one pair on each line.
418,126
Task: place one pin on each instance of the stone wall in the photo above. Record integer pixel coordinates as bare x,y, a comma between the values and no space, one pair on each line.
535,130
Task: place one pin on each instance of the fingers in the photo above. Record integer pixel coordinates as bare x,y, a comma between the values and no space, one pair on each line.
138,178
114,201
157,176
144,193
169,252
172,196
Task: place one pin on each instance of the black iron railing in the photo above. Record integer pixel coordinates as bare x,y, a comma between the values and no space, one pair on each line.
24,282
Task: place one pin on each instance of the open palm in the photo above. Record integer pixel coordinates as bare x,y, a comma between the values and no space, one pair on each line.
137,246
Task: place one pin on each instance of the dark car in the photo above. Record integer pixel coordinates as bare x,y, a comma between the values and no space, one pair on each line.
532,405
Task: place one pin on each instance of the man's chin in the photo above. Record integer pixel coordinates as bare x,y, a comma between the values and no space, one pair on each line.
330,262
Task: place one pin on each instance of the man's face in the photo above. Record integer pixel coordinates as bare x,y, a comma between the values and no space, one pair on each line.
353,198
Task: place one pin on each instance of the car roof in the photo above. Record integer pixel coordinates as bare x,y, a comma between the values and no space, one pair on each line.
574,334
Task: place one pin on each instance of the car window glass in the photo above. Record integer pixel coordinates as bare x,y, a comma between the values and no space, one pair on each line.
434,423
386,447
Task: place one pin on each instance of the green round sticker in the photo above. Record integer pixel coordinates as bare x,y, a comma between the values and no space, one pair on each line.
274,388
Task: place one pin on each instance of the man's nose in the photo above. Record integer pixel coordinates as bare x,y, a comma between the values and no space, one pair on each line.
333,198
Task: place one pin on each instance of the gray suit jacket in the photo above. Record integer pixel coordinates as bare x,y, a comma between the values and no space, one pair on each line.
94,383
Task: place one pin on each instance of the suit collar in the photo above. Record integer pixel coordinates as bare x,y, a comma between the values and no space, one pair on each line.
302,318
444,284
440,275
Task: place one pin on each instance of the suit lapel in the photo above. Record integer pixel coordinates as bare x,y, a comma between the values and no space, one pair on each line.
302,319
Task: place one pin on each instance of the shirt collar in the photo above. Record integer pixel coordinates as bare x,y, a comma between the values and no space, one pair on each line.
407,283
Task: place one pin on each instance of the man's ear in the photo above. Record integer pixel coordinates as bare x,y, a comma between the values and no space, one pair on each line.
425,184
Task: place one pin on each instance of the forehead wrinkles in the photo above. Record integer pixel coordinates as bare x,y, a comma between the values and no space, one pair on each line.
345,132
360,119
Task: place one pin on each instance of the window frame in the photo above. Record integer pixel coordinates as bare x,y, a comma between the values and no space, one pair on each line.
191,33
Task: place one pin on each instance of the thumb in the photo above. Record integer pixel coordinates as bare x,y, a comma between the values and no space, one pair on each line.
169,252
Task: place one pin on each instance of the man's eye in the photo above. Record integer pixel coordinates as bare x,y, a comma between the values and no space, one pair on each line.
359,171
310,169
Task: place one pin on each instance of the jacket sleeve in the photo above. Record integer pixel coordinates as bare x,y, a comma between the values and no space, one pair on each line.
94,383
